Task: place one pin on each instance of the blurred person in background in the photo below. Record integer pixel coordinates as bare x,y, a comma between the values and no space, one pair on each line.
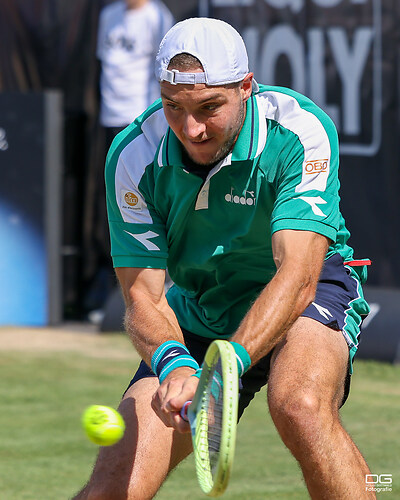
130,32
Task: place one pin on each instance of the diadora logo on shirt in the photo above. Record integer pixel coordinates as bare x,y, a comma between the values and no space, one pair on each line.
316,166
314,201
248,198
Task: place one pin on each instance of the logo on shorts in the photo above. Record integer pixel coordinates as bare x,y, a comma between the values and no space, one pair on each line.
323,311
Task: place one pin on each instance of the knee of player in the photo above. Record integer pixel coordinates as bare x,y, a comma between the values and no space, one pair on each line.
298,412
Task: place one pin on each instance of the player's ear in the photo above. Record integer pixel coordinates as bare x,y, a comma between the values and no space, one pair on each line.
246,86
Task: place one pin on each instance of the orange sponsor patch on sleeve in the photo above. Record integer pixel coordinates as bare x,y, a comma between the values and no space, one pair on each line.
316,166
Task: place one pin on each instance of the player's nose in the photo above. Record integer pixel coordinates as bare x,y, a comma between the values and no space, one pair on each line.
193,128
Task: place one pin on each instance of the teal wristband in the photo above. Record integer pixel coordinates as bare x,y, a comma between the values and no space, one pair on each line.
197,373
171,355
242,358
176,363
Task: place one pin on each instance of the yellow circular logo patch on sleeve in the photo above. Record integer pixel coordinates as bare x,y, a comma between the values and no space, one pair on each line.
131,199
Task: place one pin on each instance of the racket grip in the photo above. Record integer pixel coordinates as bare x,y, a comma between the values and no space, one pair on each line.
184,411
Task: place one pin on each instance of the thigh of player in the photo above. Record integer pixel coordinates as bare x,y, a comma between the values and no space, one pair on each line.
137,465
309,367
314,359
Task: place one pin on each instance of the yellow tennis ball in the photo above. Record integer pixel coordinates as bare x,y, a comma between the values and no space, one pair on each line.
103,425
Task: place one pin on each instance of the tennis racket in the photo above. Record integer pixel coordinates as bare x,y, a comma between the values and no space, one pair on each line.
213,418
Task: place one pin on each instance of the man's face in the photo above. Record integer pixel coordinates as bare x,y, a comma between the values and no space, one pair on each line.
135,4
206,120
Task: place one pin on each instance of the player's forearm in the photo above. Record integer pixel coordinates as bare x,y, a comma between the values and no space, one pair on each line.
274,311
149,324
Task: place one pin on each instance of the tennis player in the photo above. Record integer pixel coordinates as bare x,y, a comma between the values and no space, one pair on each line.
234,187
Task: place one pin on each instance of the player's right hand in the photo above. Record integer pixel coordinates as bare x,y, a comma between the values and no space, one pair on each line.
178,387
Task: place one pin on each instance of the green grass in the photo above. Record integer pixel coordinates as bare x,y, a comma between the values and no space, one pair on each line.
45,456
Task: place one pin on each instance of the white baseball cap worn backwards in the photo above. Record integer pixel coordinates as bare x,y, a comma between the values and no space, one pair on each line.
215,43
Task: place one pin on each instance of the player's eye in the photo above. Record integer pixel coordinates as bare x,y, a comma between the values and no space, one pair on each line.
211,107
172,106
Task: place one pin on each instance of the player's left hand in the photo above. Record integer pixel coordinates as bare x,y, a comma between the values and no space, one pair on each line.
177,388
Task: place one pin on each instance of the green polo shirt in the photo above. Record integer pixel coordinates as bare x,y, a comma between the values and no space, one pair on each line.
215,235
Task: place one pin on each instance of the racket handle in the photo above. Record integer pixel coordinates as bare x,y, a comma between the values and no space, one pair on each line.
184,410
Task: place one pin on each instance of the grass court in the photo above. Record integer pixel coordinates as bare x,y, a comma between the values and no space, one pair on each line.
48,377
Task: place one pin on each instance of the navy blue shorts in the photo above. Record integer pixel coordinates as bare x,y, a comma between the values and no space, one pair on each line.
338,304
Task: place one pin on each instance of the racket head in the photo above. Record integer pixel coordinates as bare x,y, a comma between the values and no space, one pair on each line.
213,418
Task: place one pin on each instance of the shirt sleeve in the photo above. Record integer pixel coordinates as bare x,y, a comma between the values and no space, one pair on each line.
307,187
137,232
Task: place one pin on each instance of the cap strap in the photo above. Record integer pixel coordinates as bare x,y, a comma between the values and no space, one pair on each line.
174,77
